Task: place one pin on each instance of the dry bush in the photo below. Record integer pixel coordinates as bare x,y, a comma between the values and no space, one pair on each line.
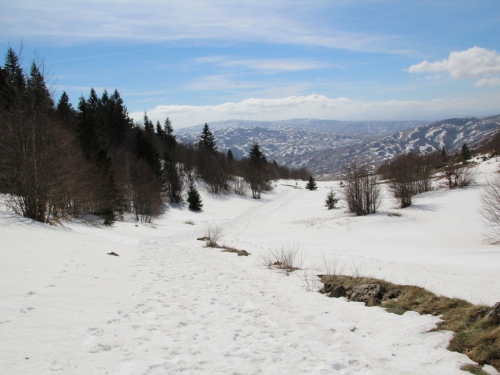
240,186
458,175
333,267
285,258
213,233
490,208
309,279
362,194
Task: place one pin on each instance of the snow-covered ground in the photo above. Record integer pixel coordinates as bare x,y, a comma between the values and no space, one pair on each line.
169,305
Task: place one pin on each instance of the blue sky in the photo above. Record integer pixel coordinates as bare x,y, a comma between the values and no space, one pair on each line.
202,61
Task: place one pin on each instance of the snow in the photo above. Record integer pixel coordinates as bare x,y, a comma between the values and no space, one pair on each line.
169,305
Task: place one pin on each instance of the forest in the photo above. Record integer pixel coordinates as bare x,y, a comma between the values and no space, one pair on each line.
57,161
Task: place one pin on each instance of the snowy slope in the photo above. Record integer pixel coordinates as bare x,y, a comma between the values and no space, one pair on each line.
292,139
450,134
168,305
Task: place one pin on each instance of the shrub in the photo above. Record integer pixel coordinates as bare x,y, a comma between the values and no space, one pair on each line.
361,193
213,233
311,185
490,208
330,200
194,198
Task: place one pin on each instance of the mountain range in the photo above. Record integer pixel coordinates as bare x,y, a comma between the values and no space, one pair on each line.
326,146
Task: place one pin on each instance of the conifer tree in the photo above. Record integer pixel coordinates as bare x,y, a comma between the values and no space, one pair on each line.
311,185
207,140
465,153
168,131
230,156
65,111
330,200
257,174
118,123
173,181
148,125
194,198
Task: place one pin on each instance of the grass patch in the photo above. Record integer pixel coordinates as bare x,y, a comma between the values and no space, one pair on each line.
475,335
473,369
241,253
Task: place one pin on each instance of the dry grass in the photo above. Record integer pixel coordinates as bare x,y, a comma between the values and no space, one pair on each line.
213,234
285,258
475,335
241,253
473,369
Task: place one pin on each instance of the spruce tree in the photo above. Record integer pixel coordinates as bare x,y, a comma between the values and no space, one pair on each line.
168,132
194,198
465,153
65,111
330,200
207,140
230,156
311,185
148,125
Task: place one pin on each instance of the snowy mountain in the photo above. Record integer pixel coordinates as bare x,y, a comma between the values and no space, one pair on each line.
450,134
290,139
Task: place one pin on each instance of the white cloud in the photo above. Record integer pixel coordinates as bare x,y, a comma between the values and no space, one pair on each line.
180,21
320,106
277,65
495,81
473,62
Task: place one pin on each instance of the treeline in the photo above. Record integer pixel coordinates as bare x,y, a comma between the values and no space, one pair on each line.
410,174
58,161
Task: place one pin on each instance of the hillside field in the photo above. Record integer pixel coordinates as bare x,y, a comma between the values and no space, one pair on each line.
168,305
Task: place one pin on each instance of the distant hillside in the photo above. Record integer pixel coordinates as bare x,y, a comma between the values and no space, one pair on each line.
450,134
325,146
289,139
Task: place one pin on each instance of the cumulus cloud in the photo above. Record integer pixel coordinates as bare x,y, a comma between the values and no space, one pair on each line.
495,81
320,106
473,62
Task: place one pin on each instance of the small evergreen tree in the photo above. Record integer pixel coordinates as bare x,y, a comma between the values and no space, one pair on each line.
207,140
330,200
230,156
311,185
194,198
465,153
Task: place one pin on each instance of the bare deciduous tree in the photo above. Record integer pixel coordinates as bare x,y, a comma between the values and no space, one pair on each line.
490,208
362,194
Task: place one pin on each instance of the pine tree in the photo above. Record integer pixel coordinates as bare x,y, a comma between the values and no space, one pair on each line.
194,198
257,174
230,156
13,86
148,125
207,140
118,123
330,200
311,185
465,153
168,132
65,111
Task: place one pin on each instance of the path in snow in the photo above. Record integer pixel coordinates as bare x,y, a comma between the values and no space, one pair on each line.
206,312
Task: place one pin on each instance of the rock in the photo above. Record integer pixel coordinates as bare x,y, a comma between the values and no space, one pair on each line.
370,294
328,287
113,253
393,294
243,253
337,291
494,312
